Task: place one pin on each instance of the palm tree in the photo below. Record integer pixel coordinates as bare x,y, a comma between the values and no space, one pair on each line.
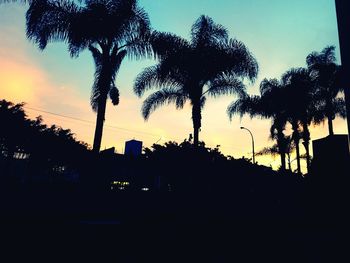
269,105
300,107
209,64
290,147
110,29
325,72
275,150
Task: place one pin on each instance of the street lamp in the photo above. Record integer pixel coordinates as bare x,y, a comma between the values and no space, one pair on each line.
243,128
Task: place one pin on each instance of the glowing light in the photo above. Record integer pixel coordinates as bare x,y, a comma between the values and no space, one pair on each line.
121,183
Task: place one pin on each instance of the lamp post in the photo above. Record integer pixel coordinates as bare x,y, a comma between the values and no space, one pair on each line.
243,128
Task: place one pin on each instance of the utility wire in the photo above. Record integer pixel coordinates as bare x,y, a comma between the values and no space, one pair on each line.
115,127
89,122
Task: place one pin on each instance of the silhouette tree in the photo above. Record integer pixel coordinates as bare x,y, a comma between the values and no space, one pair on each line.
274,150
325,72
209,61
13,128
44,147
110,29
300,106
290,148
270,104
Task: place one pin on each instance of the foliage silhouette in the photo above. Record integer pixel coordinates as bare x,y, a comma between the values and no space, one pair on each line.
186,68
270,104
274,150
218,194
46,150
300,107
110,29
203,169
326,74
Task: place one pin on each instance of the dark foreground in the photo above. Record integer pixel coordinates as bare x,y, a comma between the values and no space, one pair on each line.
248,226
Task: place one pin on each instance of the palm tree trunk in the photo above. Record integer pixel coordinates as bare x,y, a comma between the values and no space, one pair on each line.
306,143
283,160
195,136
307,148
329,114
289,162
298,155
296,140
101,111
196,118
281,149
330,126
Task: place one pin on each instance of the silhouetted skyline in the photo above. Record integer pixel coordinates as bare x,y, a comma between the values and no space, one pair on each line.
253,79
279,33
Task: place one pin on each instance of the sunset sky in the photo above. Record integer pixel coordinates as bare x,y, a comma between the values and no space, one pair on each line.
280,34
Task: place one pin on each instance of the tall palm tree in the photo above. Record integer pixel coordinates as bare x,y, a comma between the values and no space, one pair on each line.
275,150
269,105
110,29
290,148
300,107
325,72
209,64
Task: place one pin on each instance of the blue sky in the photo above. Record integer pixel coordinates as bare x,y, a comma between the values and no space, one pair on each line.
279,33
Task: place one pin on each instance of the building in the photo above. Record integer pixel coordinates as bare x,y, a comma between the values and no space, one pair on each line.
331,157
133,148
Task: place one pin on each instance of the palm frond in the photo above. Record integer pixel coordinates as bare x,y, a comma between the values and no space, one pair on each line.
339,107
82,24
238,60
156,77
162,97
116,61
225,85
164,44
96,54
246,105
206,32
326,56
295,75
96,91
50,20
273,151
269,85
95,96
277,127
203,101
329,54
313,59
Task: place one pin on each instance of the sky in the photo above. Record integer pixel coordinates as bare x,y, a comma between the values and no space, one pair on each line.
279,33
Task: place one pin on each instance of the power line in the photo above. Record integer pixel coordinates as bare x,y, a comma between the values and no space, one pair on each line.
116,127
89,122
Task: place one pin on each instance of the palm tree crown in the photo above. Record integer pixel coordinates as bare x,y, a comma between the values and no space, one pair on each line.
270,104
209,64
110,29
300,106
326,74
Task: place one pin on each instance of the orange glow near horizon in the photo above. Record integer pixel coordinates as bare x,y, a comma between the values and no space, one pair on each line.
18,82
29,84
52,81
